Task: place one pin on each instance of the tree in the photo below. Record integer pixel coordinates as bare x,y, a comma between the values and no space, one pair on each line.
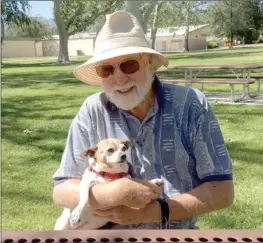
141,10
181,13
13,12
38,29
133,8
73,16
225,18
155,22
231,18
254,20
189,14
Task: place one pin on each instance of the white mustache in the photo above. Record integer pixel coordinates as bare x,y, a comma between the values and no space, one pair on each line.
120,87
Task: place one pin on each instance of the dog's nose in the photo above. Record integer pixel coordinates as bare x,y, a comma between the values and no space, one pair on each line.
123,157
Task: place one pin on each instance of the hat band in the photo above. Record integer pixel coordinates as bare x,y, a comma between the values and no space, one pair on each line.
120,42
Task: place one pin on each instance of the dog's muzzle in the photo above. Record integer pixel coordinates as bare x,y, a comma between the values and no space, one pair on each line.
123,159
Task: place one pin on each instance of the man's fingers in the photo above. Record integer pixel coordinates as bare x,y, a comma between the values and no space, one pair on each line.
156,190
155,195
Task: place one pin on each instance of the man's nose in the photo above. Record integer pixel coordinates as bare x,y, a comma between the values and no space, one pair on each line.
120,77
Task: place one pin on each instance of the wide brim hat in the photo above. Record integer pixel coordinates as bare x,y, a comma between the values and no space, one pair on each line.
121,35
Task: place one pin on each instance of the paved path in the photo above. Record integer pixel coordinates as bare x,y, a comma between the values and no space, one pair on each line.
225,98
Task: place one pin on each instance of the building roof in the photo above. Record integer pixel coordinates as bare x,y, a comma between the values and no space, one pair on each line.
76,36
172,31
167,31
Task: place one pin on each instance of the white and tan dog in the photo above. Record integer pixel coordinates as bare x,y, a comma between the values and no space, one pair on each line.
107,162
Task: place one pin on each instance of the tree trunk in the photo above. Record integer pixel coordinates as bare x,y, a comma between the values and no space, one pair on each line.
155,23
63,34
2,27
63,49
146,16
231,26
153,37
2,36
133,8
186,36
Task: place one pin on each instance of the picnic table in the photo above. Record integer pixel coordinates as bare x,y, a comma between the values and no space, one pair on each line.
241,74
187,235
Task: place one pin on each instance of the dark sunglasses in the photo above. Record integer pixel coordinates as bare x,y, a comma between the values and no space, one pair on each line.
127,67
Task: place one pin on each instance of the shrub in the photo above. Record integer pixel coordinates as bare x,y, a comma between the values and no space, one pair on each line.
212,44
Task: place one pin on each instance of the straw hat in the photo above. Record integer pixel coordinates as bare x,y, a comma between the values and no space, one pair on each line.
120,35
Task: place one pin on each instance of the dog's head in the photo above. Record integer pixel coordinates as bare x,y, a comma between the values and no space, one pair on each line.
108,152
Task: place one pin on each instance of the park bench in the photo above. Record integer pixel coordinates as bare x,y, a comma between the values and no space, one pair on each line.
231,82
192,74
258,78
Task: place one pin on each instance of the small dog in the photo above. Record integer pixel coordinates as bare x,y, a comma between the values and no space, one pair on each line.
107,162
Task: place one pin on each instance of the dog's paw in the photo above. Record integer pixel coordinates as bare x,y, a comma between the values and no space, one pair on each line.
158,182
75,217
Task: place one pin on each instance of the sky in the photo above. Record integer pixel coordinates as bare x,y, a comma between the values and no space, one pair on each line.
41,8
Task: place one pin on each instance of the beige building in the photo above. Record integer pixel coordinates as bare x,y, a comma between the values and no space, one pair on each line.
78,45
172,38
19,47
167,39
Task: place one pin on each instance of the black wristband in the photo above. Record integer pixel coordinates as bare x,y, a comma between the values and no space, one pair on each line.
165,213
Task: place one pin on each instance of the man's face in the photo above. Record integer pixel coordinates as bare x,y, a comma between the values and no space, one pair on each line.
127,91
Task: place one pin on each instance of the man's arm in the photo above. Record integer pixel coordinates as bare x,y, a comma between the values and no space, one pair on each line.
129,192
66,194
205,198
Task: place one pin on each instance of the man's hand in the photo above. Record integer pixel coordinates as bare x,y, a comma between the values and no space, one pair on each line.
126,216
135,193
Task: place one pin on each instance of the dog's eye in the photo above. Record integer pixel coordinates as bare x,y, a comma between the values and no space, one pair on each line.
110,150
124,148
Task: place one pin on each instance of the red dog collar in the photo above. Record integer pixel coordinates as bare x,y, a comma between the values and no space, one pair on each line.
108,175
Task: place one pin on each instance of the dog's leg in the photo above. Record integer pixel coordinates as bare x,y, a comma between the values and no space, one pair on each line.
62,222
158,182
83,199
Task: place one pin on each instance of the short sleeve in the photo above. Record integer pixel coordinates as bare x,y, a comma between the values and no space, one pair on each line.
79,135
213,162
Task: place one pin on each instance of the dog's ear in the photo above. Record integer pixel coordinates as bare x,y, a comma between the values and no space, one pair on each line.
127,143
89,152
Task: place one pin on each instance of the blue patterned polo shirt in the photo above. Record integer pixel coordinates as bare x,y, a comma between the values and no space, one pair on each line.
179,141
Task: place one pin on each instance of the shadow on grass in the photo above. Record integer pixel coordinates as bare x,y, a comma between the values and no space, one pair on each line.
213,54
40,63
33,79
28,195
243,151
179,73
233,114
47,122
30,107
235,217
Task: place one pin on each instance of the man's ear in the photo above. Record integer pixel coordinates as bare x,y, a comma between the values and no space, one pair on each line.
89,152
127,143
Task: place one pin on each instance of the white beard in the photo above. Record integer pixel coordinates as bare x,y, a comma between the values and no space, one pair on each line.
133,98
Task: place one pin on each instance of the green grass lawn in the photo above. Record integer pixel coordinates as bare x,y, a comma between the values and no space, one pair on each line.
39,101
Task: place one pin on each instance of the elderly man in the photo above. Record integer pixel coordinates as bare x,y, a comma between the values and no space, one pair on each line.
174,133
